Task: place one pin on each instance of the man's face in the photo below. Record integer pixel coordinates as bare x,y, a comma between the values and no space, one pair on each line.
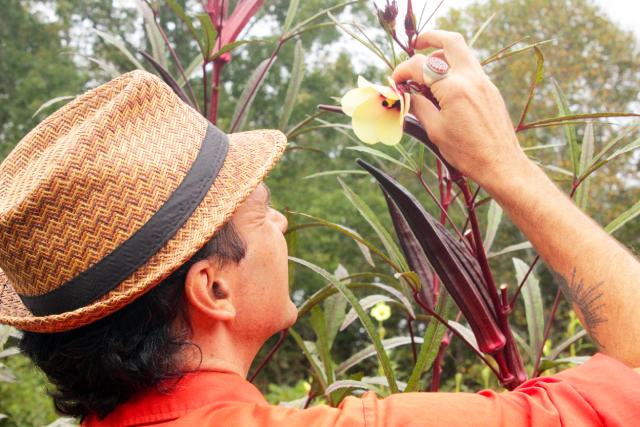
261,291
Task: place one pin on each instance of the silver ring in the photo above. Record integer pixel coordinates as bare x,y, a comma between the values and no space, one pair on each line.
434,69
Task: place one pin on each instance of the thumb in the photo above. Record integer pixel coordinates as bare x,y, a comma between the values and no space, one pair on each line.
427,113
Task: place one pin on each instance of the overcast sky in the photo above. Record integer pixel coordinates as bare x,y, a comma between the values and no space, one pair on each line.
625,12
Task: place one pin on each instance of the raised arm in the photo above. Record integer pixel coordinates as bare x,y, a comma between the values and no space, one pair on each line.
474,133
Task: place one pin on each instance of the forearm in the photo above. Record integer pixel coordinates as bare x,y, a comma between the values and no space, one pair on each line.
600,275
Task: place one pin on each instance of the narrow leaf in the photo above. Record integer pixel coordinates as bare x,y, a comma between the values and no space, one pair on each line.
153,33
374,222
347,384
586,155
569,130
511,248
532,303
430,345
196,63
537,78
385,363
119,44
483,27
291,15
380,155
179,11
370,351
335,308
465,332
297,72
249,93
51,102
494,217
365,246
210,33
335,172
624,218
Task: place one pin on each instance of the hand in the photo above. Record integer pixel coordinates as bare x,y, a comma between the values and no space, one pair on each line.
473,129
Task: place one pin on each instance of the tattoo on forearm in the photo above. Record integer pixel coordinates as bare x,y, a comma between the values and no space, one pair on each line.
588,299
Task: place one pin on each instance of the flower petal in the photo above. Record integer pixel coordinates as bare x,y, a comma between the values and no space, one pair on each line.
373,123
385,91
355,97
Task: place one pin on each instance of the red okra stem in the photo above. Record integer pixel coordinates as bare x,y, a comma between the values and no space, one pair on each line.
267,358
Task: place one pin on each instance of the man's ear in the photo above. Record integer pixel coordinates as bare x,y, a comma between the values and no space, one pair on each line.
208,292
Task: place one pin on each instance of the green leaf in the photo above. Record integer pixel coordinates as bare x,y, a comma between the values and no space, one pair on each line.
582,193
119,44
532,304
511,248
297,72
569,130
347,384
191,68
380,155
503,54
320,328
364,40
210,33
572,118
53,101
291,15
494,217
429,348
374,222
466,332
383,358
316,370
626,132
370,351
542,147
177,9
624,218
537,78
335,308
483,27
336,172
364,245
153,33
633,145
566,344
249,94
312,18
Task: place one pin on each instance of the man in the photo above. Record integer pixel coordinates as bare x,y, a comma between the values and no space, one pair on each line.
146,305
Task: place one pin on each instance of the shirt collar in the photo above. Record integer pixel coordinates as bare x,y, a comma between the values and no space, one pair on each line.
193,390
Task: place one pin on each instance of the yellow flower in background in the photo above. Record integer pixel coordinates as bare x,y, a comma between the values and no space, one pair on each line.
377,112
381,311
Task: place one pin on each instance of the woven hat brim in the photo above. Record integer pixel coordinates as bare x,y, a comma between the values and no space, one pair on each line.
250,157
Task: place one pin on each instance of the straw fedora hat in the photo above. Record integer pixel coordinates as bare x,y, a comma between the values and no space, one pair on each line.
112,193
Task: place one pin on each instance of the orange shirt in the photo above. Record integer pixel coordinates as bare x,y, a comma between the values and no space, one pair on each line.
602,392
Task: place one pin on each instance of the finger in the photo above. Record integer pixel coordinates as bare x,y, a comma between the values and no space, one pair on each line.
410,69
453,45
427,113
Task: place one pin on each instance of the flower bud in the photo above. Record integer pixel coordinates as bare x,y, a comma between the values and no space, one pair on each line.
410,22
387,16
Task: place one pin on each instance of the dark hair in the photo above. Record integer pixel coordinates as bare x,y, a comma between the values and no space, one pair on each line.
98,366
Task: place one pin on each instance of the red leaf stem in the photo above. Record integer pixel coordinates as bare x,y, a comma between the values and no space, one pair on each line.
267,358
